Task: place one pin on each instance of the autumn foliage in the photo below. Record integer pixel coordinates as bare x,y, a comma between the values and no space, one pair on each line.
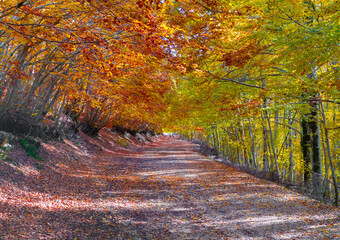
238,74
95,61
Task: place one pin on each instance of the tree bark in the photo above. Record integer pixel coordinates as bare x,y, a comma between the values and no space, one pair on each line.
291,163
273,149
252,138
336,190
316,153
306,150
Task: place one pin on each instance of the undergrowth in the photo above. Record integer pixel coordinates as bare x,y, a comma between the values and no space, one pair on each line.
32,148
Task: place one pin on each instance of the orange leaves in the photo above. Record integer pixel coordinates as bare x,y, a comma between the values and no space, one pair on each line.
93,188
199,129
244,107
242,56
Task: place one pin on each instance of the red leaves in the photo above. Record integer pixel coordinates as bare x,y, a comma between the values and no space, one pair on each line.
242,56
147,4
243,108
199,129
164,187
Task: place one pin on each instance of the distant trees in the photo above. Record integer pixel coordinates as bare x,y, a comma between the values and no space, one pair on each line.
258,90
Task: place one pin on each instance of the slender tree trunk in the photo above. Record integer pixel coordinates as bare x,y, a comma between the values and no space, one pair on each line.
273,149
290,142
218,142
306,150
265,150
336,190
253,150
238,146
316,153
265,139
276,125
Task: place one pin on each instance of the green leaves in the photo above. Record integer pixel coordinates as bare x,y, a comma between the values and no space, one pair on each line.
32,147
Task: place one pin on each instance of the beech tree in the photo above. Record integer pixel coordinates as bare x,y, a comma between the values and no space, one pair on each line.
78,57
283,60
258,80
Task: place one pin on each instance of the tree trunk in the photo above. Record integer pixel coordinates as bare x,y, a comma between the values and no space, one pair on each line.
252,138
306,150
336,190
273,149
316,153
265,139
265,150
290,142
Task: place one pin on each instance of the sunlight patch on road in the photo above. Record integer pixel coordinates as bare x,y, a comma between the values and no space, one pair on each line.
290,197
169,157
166,172
21,198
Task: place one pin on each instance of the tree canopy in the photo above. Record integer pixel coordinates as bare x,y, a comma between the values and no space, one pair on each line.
249,77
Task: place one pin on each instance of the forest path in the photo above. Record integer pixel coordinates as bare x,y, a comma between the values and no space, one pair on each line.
162,190
189,196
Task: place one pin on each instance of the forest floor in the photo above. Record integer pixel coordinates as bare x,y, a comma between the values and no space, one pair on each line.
94,188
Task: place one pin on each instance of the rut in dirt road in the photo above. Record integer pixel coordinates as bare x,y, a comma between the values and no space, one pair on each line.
161,190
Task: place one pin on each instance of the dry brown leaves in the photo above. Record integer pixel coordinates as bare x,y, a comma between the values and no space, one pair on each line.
91,188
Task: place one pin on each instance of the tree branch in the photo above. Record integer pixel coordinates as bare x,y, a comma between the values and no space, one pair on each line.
44,39
224,79
287,127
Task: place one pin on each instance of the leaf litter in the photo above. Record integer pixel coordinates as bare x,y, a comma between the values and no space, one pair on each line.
89,188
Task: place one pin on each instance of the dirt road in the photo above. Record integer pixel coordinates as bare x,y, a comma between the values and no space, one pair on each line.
163,190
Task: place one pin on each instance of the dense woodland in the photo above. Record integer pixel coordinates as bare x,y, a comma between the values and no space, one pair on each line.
258,80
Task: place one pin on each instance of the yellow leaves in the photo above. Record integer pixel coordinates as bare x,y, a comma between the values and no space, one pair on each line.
109,74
